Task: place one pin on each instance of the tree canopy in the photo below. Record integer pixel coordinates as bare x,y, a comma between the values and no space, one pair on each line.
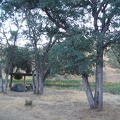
74,55
20,58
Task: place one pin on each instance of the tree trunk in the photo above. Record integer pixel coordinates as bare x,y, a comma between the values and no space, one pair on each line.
41,79
1,80
6,83
37,80
6,78
41,85
46,74
10,84
99,79
33,79
88,92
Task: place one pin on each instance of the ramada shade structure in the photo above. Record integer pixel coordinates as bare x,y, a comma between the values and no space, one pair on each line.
22,74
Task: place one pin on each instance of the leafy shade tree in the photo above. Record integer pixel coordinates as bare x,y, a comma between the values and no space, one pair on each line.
36,28
18,59
37,25
9,58
9,35
103,19
104,14
74,56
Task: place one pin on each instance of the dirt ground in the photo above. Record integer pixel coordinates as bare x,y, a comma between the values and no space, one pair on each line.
56,105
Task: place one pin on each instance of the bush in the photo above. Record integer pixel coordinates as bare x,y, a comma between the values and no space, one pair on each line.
28,102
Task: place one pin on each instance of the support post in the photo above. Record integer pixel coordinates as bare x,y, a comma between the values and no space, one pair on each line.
10,85
24,83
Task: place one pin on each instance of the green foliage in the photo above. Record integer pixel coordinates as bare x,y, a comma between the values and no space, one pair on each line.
23,60
73,56
18,57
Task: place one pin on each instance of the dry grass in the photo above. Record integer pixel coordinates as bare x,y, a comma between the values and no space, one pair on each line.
56,105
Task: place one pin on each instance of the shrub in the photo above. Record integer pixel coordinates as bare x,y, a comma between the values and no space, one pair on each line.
28,102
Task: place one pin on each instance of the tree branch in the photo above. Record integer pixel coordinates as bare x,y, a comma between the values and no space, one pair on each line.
105,27
60,23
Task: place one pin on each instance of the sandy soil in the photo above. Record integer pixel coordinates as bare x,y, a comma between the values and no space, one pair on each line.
56,105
